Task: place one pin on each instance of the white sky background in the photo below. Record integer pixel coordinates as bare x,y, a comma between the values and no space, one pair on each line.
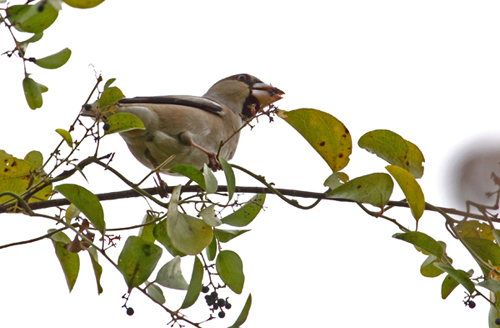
428,70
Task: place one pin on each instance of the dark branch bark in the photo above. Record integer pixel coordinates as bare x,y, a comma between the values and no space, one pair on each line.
253,190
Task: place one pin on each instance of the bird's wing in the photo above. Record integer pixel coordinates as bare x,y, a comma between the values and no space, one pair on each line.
191,101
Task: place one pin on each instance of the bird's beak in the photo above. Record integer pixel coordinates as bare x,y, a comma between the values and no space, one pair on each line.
266,94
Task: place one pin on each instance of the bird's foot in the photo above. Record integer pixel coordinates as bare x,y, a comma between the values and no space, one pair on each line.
213,162
161,185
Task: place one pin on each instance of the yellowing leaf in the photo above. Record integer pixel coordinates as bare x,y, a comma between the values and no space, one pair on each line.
66,136
392,148
110,96
187,234
17,175
83,4
374,189
70,262
327,135
122,122
54,61
411,189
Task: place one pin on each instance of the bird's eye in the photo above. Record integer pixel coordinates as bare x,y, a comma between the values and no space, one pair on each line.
241,77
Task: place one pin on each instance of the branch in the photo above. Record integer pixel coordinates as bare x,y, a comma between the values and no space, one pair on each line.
251,190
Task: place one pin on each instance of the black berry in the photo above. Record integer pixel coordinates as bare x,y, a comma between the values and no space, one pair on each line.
222,314
205,289
214,295
130,311
106,127
210,300
228,305
87,107
221,302
497,321
472,304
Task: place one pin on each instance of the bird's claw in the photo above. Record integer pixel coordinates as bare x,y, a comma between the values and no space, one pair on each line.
213,162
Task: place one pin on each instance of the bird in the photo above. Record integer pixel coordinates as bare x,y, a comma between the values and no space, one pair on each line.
190,129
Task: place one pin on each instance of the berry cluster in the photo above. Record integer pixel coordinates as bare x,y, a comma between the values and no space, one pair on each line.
215,303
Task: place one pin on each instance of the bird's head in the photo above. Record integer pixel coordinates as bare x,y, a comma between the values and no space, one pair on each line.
244,94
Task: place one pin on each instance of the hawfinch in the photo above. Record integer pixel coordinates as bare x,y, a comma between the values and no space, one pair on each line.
192,128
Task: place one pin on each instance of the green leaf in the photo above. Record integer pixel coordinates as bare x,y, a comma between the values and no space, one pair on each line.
475,229
70,262
336,179
487,250
422,241
97,268
170,275
29,18
416,160
230,178
494,313
212,249
327,135
66,136
428,269
246,213
230,269
156,293
122,122
54,61
209,217
449,284
459,275
83,4
43,88
35,158
374,189
491,284
36,37
110,96
244,313
33,93
411,189
138,260
86,202
392,148
210,180
160,233
146,232
191,172
227,235
188,234
108,83
71,212
195,285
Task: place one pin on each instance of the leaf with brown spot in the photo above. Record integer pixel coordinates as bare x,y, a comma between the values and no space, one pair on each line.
326,134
